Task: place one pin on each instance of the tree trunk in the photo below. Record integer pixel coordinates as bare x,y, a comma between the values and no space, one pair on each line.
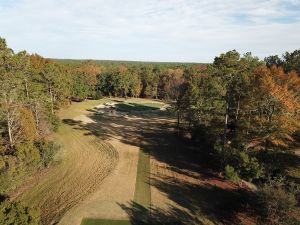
26,88
36,114
269,125
178,118
237,110
8,118
237,114
225,128
51,98
11,142
178,121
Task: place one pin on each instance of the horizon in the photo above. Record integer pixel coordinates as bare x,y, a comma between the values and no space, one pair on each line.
133,61
150,31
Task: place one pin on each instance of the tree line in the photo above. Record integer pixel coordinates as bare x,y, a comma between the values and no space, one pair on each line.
246,113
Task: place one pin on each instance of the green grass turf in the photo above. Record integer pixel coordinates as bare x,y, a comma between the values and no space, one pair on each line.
136,107
142,194
89,221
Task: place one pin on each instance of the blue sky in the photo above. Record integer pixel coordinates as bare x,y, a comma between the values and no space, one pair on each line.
156,30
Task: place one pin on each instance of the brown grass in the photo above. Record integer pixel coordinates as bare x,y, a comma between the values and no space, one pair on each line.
85,162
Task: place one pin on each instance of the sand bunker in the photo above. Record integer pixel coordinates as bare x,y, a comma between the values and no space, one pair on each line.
84,119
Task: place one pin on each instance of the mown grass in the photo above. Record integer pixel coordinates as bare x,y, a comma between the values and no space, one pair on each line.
128,107
89,221
145,108
84,162
142,194
78,108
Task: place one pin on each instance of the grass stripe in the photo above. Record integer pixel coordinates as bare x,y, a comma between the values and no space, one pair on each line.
90,221
142,193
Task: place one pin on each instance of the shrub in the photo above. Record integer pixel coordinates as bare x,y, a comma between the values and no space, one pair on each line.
275,204
273,164
15,213
2,163
231,174
55,121
47,150
28,154
98,95
27,125
249,167
16,167
246,166
10,169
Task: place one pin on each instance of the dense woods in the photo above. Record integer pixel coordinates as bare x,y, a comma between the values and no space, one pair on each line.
242,110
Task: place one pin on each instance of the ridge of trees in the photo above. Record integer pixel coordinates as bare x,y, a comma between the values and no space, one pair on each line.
289,61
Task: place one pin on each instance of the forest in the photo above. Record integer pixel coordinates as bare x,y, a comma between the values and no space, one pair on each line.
241,111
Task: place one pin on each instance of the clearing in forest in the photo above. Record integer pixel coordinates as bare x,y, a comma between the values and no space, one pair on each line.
92,149
129,181
123,163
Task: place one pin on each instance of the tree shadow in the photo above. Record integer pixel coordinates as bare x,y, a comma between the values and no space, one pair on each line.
212,199
187,178
140,215
291,163
129,107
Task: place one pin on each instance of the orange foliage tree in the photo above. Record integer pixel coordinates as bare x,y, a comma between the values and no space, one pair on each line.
275,96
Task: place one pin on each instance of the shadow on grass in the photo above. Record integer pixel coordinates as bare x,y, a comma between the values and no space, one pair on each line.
291,163
91,221
128,107
190,183
282,163
140,215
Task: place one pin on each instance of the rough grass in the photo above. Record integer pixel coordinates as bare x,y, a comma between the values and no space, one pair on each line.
85,162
